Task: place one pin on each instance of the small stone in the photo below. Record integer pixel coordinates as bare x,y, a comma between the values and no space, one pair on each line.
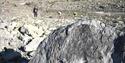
23,30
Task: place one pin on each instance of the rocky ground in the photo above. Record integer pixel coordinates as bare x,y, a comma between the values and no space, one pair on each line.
26,23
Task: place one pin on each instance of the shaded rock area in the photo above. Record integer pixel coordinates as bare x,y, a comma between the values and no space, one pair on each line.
11,56
86,41
118,55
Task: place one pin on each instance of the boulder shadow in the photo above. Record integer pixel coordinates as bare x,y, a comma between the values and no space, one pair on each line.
118,55
11,56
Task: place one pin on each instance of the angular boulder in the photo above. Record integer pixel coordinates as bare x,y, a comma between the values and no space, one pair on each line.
86,41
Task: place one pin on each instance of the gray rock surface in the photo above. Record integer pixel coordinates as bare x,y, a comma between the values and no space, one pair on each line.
24,24
86,41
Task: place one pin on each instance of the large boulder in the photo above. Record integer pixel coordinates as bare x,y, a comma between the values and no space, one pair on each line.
86,41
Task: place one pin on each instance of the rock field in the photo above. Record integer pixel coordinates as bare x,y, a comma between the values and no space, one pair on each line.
25,24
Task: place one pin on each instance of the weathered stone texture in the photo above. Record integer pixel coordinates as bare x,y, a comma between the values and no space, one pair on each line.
86,41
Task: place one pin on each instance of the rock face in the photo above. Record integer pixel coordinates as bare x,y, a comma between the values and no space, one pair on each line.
25,23
86,41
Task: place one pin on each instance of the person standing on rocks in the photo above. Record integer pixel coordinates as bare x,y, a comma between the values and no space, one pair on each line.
35,10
